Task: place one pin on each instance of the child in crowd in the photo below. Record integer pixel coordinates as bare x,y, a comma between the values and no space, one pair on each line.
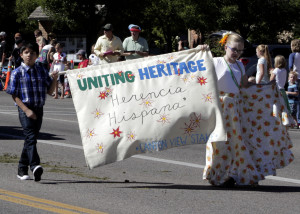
59,61
40,40
293,95
279,74
28,86
84,61
93,58
264,64
44,57
294,65
67,86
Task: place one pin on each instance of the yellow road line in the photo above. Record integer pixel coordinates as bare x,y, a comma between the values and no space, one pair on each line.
5,196
35,205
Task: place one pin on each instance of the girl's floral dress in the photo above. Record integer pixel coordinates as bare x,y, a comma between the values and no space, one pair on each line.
258,143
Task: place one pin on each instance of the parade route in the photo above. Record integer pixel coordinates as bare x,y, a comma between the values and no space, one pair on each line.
164,182
295,181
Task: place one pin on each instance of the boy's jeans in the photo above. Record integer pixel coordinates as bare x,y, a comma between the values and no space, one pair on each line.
31,128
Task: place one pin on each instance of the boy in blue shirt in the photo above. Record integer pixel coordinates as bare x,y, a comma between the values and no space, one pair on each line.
28,86
292,94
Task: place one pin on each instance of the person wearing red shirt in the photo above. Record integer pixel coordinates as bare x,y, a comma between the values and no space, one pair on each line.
84,61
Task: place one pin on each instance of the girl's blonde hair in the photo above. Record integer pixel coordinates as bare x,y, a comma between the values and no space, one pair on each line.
293,73
231,37
280,61
295,45
264,50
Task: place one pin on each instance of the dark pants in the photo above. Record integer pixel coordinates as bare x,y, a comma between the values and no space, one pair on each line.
31,128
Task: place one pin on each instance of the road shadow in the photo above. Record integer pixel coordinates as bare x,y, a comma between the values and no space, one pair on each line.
274,189
15,132
169,186
52,181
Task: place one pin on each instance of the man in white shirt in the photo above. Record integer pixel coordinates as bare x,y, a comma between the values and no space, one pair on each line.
108,47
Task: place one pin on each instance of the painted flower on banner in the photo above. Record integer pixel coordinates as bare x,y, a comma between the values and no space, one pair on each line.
103,95
189,128
147,102
195,120
120,73
100,147
97,113
170,58
185,79
193,76
202,80
208,97
131,136
161,62
116,132
80,76
108,91
130,76
90,133
163,119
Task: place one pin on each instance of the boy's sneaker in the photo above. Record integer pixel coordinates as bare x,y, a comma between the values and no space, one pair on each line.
37,173
23,174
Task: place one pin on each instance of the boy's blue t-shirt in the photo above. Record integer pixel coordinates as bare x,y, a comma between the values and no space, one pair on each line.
292,88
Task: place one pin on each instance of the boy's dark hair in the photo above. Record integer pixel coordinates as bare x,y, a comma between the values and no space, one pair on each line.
33,47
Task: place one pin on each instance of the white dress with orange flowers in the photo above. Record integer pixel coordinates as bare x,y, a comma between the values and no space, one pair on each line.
258,142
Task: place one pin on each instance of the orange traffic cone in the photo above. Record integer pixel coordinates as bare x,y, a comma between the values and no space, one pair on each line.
72,64
7,74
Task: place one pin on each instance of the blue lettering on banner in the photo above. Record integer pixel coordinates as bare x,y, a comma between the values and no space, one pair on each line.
199,138
145,73
152,146
160,70
182,67
191,66
200,65
152,72
178,141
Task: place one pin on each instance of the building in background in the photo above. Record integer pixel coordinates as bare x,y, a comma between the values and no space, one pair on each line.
72,42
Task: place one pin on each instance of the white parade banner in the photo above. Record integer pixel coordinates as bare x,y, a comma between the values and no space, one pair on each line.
146,105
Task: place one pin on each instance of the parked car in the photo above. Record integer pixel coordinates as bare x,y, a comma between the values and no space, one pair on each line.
249,57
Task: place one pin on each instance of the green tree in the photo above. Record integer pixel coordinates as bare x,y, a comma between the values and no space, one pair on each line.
8,19
23,9
78,16
162,20
257,20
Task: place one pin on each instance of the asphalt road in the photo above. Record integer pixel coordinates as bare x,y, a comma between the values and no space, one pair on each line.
165,182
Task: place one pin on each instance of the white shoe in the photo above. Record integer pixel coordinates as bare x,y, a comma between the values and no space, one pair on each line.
23,174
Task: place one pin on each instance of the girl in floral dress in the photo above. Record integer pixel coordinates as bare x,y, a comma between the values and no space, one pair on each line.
257,140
